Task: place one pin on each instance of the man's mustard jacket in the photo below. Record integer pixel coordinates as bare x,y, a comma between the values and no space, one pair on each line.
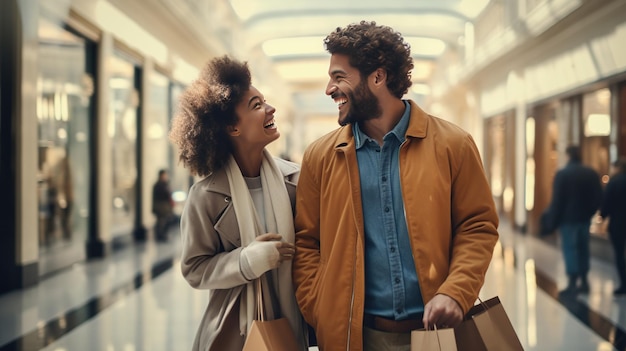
450,215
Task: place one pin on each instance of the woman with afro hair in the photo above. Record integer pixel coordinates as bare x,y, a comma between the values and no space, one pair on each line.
237,224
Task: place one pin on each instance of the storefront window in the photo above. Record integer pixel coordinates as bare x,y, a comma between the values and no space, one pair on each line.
180,179
157,121
500,161
122,130
542,140
596,123
64,114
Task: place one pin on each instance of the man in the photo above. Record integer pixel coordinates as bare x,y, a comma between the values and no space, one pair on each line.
395,223
613,208
162,205
576,196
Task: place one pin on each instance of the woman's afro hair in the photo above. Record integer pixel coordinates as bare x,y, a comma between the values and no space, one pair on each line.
205,110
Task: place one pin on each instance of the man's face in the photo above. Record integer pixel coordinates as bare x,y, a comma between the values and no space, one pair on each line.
354,98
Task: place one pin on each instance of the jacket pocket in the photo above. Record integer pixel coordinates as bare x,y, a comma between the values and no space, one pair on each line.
317,290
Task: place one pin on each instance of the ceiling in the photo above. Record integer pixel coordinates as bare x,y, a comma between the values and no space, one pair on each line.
283,41
290,33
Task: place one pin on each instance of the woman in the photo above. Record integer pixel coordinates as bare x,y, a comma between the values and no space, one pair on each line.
237,224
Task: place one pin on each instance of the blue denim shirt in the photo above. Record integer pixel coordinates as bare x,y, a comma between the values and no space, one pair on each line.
391,287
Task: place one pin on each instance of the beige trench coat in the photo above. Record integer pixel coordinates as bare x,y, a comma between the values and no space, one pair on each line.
211,246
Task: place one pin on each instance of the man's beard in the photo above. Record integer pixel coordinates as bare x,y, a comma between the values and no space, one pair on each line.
363,105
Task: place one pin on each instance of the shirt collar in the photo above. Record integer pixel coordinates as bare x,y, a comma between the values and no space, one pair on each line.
399,131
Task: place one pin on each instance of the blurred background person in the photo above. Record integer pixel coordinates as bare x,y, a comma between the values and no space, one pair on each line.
576,196
614,208
162,205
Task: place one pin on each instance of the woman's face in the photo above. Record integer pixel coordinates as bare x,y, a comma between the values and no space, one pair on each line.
256,125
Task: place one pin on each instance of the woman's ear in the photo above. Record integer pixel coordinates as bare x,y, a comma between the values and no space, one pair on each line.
233,131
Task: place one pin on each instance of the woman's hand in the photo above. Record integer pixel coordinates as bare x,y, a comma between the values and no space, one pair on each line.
266,252
285,250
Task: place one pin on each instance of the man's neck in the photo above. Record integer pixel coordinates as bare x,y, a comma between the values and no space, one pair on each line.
377,128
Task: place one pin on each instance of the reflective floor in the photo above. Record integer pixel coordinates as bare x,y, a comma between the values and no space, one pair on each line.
136,299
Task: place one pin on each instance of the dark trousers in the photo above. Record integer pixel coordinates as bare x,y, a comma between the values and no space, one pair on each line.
575,245
161,226
618,240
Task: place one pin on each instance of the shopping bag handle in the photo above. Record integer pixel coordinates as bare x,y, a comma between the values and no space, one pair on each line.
259,300
424,340
482,303
437,333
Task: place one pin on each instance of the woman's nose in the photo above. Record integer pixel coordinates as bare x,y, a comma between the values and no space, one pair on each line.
270,109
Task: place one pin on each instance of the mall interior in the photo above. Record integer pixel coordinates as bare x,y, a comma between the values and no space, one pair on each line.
88,89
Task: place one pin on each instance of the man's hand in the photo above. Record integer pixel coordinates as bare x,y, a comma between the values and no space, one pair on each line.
442,311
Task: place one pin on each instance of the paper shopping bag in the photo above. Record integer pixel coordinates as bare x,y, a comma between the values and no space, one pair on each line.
486,327
273,335
264,335
433,340
599,226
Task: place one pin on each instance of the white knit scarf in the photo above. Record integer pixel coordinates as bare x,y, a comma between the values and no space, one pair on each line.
278,219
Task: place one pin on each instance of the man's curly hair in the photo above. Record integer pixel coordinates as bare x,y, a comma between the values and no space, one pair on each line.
369,47
206,109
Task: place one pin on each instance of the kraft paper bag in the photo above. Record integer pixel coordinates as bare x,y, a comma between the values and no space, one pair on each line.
433,340
487,328
599,226
273,335
264,335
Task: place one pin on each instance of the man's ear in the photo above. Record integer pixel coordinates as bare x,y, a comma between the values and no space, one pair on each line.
380,76
233,131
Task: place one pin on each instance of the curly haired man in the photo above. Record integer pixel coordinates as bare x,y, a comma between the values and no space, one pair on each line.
395,223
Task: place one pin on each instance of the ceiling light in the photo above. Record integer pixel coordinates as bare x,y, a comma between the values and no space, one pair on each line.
598,124
429,47
303,70
296,46
314,46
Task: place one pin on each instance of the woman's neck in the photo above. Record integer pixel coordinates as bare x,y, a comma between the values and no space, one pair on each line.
249,163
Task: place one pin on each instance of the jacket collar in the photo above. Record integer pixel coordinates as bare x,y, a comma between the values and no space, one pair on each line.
418,127
217,182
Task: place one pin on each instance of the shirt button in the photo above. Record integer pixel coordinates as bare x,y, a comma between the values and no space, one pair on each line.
393,249
397,280
386,208
384,178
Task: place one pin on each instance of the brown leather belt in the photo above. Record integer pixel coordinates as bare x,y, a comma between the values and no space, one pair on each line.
390,325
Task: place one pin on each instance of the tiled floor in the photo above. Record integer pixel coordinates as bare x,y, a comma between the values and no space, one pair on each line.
137,299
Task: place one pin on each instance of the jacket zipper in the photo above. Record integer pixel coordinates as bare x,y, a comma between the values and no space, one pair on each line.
351,301
352,295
